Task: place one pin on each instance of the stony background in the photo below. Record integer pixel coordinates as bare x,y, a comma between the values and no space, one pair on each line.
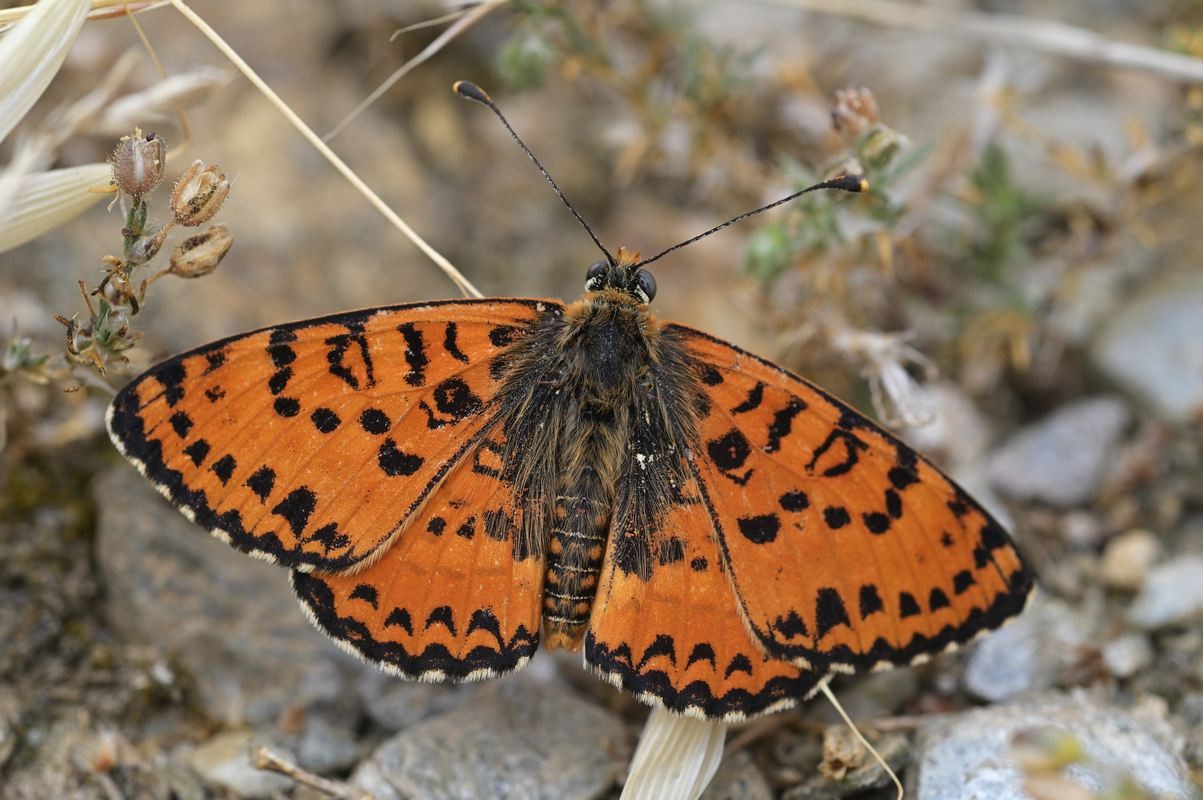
139,658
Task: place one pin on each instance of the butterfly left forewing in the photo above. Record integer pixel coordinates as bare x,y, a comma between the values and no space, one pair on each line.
310,443
846,549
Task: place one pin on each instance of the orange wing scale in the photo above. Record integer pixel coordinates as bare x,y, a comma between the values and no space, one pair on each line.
458,596
309,444
845,548
677,639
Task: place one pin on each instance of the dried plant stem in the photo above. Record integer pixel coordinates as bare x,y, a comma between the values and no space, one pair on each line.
263,758
456,277
462,24
100,8
1014,30
826,690
185,128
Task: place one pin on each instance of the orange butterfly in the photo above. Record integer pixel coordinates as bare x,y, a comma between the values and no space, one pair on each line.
449,481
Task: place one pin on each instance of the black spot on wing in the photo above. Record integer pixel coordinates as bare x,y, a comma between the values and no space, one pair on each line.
937,600
181,423
907,605
375,421
287,406
962,581
701,652
396,462
365,592
870,601
261,482
876,522
399,618
325,420
296,507
829,611
738,663
783,422
836,517
761,529
198,451
415,354
436,525
729,453
451,345
171,377
662,645
795,501
223,468
754,399
441,616
852,447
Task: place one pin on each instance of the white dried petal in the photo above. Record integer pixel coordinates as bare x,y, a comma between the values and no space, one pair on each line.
158,101
44,200
31,54
676,757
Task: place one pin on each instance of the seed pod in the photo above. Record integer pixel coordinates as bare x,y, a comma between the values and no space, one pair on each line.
138,163
198,194
853,111
200,254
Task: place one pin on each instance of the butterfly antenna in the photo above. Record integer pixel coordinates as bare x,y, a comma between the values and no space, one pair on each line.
847,183
473,92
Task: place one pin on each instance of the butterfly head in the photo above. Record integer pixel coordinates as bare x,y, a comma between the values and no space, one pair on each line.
623,277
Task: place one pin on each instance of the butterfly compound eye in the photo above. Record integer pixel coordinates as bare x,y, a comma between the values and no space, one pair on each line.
595,277
645,285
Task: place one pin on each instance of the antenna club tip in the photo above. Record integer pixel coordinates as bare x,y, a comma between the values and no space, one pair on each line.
850,183
471,91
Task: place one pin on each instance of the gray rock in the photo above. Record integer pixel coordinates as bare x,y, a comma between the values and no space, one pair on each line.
967,756
1153,346
1028,653
518,739
1172,594
225,761
229,620
1062,459
738,778
394,704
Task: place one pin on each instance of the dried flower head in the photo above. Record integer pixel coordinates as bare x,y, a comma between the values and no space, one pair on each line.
853,111
200,254
198,194
138,162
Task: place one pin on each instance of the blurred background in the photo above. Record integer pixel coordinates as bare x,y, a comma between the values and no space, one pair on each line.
1019,295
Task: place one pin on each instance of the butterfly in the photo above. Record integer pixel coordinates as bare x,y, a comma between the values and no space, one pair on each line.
453,482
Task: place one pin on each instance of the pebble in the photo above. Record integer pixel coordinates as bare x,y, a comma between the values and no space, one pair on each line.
225,761
1152,346
1063,459
1127,655
1172,594
1128,558
1029,653
518,739
229,621
968,755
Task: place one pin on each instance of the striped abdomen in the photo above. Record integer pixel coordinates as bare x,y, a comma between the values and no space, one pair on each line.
575,550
